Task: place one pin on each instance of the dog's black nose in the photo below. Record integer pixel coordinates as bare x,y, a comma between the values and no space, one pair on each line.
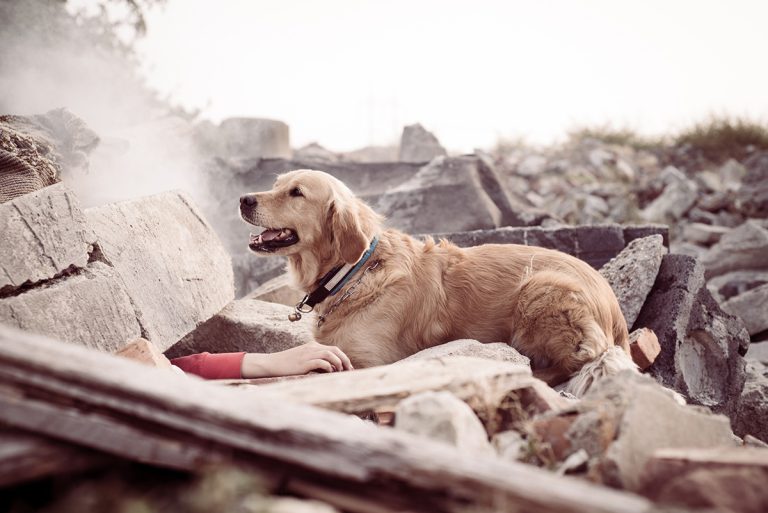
249,200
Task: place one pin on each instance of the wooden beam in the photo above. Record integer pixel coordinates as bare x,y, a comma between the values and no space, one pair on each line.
136,412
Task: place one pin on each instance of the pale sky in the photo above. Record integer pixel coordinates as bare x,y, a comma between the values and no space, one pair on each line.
350,73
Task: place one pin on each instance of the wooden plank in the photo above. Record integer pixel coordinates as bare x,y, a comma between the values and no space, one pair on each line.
24,457
117,406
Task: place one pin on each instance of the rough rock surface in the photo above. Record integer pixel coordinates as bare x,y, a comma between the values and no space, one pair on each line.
169,261
428,201
254,137
596,245
752,414
632,273
419,145
745,247
89,308
643,418
497,351
751,307
44,233
752,196
678,197
245,325
277,290
443,417
758,351
700,343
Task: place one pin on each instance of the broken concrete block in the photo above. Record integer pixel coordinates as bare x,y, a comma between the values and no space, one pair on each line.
498,351
752,196
703,234
44,235
644,347
144,351
245,325
443,417
743,248
254,137
595,244
632,273
678,197
717,479
700,344
251,271
428,201
751,307
751,416
647,418
277,290
169,261
731,284
89,307
758,351
419,145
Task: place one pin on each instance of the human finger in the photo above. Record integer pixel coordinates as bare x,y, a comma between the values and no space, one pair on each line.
318,364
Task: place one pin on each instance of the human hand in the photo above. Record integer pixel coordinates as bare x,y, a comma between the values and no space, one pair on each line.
297,360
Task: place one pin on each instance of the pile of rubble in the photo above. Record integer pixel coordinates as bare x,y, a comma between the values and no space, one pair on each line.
458,427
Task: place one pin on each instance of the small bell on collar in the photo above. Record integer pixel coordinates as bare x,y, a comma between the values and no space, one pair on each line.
294,316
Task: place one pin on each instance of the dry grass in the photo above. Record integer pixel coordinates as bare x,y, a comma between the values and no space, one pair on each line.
723,138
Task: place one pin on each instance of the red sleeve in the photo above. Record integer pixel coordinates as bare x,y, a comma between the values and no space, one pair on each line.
212,366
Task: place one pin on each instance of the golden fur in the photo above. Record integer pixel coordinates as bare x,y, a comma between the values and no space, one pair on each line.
550,306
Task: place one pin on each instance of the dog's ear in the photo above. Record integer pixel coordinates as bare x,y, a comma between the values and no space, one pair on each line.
346,230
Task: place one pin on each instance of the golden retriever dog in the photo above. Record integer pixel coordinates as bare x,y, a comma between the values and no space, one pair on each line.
410,294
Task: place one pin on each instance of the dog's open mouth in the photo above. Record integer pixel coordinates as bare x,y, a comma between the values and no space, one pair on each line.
272,239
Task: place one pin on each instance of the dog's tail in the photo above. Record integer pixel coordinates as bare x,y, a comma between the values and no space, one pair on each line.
611,362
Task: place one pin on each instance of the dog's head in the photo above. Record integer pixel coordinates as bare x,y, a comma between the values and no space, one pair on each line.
310,212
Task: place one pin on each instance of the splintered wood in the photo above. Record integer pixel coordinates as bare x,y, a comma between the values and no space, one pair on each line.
139,413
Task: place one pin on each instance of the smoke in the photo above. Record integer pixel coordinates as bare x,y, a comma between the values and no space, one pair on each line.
51,58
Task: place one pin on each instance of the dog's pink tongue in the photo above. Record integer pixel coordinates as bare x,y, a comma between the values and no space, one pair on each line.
270,234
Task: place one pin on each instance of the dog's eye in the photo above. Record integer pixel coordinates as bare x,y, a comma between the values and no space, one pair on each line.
296,192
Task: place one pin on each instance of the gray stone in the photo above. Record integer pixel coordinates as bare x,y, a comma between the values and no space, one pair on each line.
732,284
700,344
251,271
745,247
758,351
277,290
632,273
704,234
595,244
44,234
245,325
419,145
315,152
752,197
168,259
89,308
645,418
443,417
751,307
445,195
678,197
369,154
752,415
253,137
497,351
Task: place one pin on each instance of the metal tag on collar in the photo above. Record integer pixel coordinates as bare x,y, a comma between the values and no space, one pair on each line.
301,308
